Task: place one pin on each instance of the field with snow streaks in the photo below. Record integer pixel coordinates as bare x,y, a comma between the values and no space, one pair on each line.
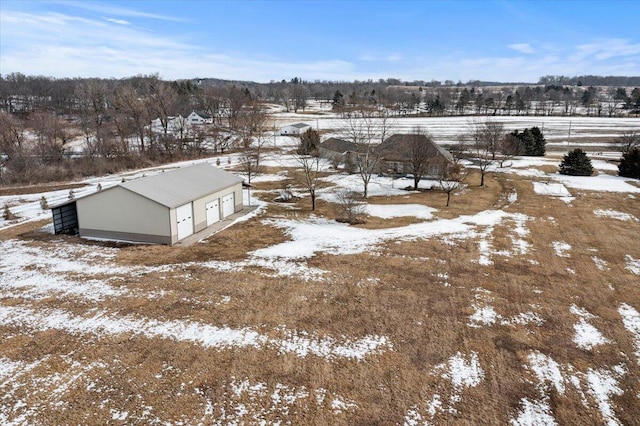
519,304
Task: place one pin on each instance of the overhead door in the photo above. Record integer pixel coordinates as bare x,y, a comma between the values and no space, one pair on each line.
184,217
228,205
213,211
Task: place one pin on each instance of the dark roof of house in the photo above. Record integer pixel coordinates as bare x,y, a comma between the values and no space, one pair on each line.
203,115
299,125
338,145
398,147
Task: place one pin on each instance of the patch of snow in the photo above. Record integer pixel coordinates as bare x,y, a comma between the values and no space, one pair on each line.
546,370
587,336
601,182
631,321
301,343
339,405
614,214
601,264
534,413
257,402
463,371
524,318
561,248
551,189
602,386
633,265
483,316
389,211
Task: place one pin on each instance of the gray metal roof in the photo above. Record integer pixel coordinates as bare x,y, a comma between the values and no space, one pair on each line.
178,187
300,125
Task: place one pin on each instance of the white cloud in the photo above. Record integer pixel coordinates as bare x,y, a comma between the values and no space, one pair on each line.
118,21
522,48
109,9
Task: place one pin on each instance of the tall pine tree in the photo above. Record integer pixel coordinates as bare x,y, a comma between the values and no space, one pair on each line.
576,163
630,164
532,141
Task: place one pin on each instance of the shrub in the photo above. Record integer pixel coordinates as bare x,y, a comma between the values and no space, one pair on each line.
349,207
44,204
630,164
7,214
576,163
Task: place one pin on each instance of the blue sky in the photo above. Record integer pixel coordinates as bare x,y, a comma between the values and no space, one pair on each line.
321,40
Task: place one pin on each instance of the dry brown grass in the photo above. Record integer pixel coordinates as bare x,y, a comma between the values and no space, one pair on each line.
398,290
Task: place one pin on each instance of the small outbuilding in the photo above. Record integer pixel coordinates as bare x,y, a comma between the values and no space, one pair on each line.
294,129
163,209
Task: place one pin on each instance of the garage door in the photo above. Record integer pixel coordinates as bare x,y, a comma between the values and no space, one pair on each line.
228,205
184,217
213,211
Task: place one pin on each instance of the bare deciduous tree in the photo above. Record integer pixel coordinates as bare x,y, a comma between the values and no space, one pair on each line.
309,175
349,207
627,141
422,152
451,178
366,132
129,103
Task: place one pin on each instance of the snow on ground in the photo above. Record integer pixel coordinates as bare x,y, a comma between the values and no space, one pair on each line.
378,185
534,413
255,402
633,265
600,182
102,323
317,235
551,189
601,264
631,321
614,214
462,371
600,385
547,371
561,248
389,211
586,336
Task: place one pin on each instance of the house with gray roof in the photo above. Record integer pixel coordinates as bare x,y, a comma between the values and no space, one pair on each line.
396,155
164,208
294,129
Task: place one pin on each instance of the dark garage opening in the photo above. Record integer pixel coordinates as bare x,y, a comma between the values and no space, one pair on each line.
65,219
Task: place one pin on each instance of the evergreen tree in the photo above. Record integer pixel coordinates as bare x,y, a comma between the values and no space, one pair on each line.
309,142
532,141
576,163
630,164
539,142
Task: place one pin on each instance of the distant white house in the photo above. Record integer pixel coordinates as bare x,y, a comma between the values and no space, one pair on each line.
199,118
294,129
175,125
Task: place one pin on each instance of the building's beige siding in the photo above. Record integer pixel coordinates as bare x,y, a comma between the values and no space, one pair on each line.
199,210
119,213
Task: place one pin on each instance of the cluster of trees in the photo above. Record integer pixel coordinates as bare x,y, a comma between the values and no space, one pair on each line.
577,163
530,142
39,116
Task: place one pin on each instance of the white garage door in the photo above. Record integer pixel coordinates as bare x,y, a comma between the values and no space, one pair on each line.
213,211
184,217
228,205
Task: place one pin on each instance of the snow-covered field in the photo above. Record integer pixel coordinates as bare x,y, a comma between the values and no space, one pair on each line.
516,305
